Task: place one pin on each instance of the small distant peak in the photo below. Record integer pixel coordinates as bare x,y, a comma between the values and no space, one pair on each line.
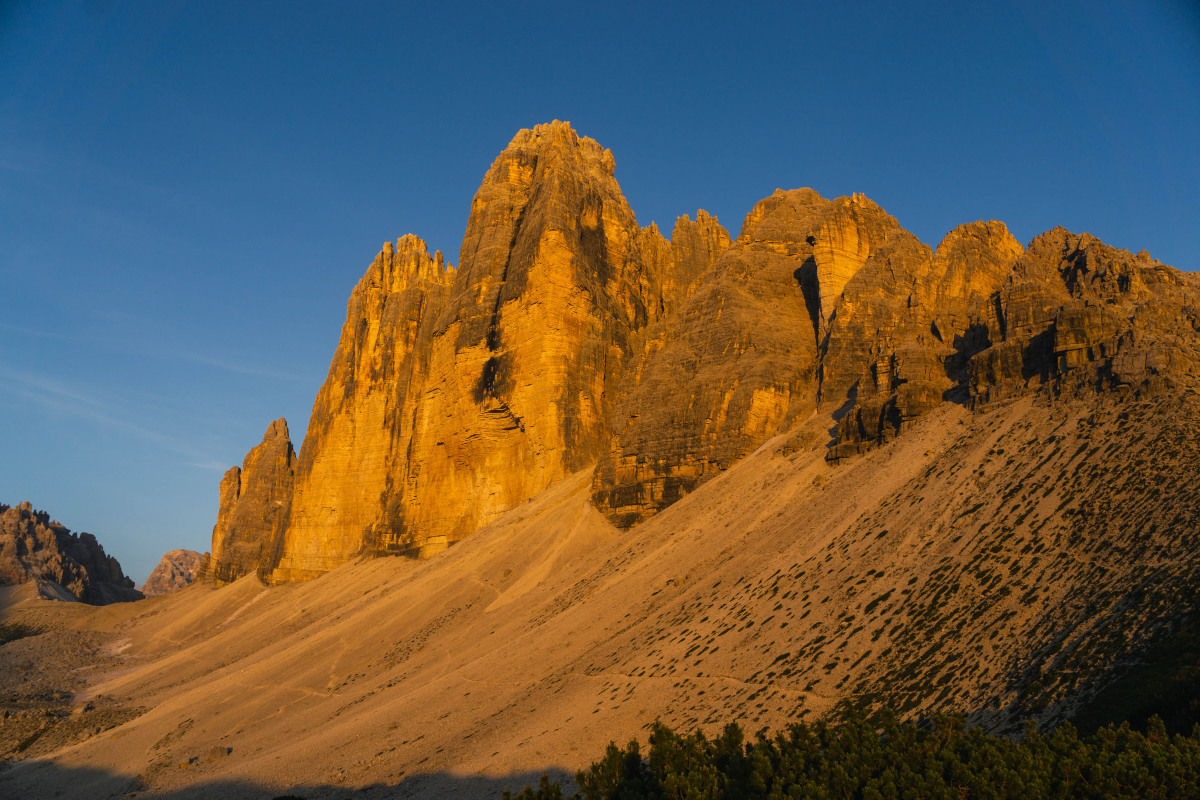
277,429
778,200
1057,238
858,200
803,196
705,222
411,243
553,131
993,232
979,249
408,244
557,135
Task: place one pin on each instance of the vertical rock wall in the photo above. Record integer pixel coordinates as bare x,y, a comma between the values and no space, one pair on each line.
255,500
570,336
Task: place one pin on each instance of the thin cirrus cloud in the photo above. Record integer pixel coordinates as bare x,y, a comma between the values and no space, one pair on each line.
138,347
214,466
242,369
55,396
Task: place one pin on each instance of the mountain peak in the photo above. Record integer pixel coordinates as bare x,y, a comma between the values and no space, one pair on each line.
570,337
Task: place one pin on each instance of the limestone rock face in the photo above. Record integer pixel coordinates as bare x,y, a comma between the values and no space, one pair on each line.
551,289
722,373
456,394
818,301
350,475
571,336
902,329
1079,316
32,546
175,570
255,500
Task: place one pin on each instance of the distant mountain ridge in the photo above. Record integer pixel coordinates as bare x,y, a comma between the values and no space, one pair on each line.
569,337
33,546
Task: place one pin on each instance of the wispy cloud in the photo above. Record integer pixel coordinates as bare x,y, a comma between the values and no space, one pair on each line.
56,396
56,335
242,369
215,466
159,350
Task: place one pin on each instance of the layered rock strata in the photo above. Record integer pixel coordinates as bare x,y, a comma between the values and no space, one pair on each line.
255,500
458,393
1076,315
175,570
818,301
35,547
570,336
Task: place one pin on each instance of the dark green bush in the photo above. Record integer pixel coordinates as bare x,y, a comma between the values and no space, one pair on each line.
853,758
11,631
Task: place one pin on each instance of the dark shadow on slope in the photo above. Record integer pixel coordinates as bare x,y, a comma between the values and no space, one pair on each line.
806,276
35,780
1165,681
844,409
967,345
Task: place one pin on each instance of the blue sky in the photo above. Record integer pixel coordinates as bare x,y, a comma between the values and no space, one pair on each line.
189,191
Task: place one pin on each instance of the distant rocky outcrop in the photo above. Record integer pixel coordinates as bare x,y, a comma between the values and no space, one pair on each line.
34,547
175,570
571,337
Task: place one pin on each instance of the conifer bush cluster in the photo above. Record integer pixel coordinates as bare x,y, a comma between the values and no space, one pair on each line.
853,758
11,631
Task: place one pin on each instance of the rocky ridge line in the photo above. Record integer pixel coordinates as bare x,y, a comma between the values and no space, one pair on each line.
569,337
35,547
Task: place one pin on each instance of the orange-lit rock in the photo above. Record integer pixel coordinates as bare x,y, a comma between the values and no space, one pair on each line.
254,507
571,336
456,394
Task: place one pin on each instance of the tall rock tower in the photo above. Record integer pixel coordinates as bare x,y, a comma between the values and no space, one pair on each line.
455,394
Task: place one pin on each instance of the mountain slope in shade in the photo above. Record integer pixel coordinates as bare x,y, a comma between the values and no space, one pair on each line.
1010,562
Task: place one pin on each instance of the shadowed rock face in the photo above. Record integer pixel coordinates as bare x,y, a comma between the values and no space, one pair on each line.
255,499
1078,316
175,570
570,336
902,329
32,546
